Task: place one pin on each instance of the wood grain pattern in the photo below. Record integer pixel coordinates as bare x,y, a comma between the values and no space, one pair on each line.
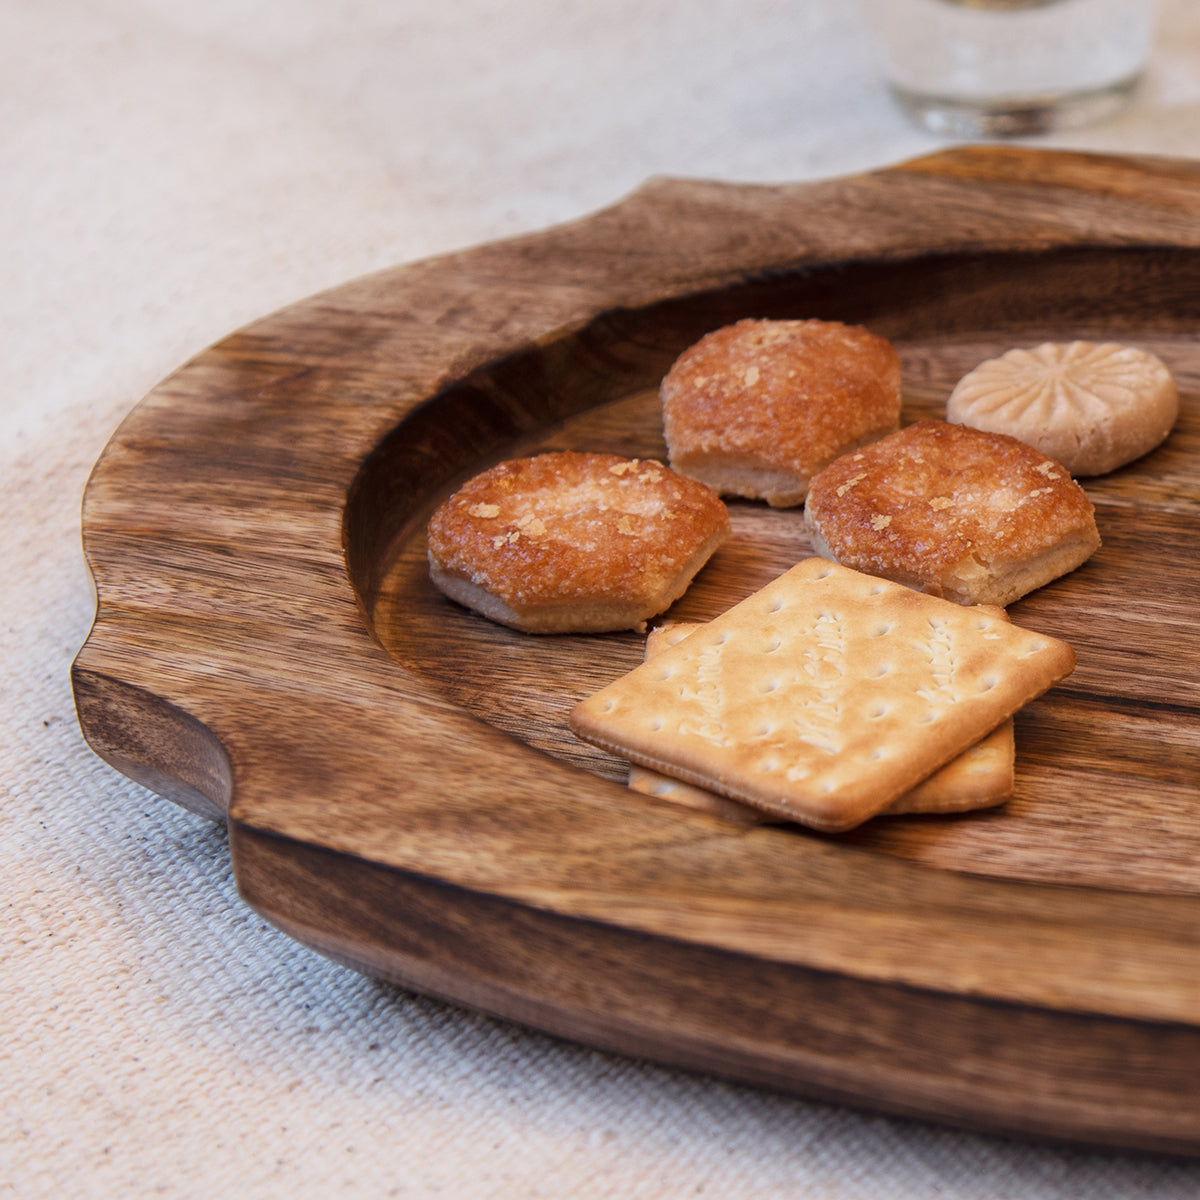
399,782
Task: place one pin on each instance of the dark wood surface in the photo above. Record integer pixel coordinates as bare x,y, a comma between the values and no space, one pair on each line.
401,788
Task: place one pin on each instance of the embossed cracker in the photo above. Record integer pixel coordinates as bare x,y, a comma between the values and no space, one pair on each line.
980,777
653,783
825,696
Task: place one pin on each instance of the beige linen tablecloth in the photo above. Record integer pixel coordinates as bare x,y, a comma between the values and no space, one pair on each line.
171,171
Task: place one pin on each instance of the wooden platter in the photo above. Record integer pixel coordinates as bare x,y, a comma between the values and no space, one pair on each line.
402,792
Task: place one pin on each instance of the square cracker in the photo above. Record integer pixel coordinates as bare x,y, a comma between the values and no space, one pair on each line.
980,777
825,696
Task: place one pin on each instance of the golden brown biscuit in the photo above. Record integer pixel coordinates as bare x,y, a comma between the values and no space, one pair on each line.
980,777
824,696
567,542
1092,407
975,517
757,408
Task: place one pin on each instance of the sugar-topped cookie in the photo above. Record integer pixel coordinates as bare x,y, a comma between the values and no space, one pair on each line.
570,542
755,409
976,517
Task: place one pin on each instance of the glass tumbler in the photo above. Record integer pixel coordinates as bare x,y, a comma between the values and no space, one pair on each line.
997,68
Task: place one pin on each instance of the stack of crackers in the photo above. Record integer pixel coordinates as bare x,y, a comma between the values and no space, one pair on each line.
826,698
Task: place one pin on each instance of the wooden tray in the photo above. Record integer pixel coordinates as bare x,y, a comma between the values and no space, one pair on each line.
401,790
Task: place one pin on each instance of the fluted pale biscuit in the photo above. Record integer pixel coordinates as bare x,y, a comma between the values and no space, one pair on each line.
568,542
975,517
980,777
755,409
825,696
1091,406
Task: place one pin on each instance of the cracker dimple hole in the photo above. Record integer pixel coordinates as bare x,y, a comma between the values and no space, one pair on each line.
767,765
877,754
666,673
988,682
656,724
775,644
930,716
882,629
827,786
823,573
775,606
608,705
881,670
876,590
769,685
766,729
880,709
